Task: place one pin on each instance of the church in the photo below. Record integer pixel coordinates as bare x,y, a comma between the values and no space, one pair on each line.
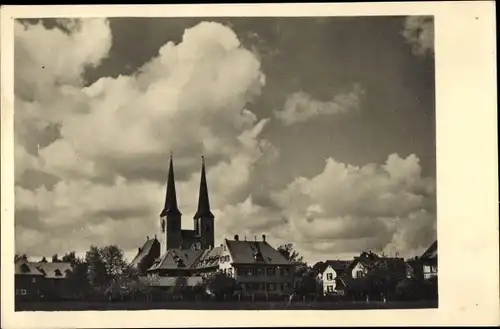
256,265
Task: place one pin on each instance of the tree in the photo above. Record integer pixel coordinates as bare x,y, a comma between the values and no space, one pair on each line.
22,257
305,280
96,271
113,258
220,284
69,257
78,280
288,251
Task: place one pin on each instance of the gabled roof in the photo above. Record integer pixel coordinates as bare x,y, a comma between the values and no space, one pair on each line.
430,253
58,270
210,258
145,250
23,267
255,252
337,265
177,259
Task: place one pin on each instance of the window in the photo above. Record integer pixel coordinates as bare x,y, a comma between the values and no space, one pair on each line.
230,271
285,271
250,272
225,271
23,292
285,286
33,280
359,274
270,271
329,276
260,271
270,286
329,288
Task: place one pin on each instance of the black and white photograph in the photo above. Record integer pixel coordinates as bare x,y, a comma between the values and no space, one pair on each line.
225,163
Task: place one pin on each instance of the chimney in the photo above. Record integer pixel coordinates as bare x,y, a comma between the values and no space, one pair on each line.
139,250
147,237
264,237
255,238
236,237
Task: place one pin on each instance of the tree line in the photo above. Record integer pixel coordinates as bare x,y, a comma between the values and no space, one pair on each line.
103,273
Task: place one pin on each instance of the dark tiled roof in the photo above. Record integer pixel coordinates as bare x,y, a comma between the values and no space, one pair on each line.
210,258
145,250
177,259
26,268
245,252
54,270
337,265
430,253
165,281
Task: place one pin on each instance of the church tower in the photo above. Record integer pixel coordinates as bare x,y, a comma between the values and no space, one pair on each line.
204,219
170,217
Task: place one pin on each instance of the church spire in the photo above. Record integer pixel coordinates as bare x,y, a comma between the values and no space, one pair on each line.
203,202
170,207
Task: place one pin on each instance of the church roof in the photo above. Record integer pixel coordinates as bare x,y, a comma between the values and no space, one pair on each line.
145,250
255,252
177,259
203,201
170,207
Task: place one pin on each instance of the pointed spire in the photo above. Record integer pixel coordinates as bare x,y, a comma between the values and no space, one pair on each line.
203,201
170,207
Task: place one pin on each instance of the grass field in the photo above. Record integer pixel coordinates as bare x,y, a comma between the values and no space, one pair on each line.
81,306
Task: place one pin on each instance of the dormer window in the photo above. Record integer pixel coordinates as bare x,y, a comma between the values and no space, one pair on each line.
58,272
25,268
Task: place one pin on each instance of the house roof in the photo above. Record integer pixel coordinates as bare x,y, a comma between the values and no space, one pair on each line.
166,281
26,268
58,270
337,265
145,250
255,252
430,253
177,259
210,258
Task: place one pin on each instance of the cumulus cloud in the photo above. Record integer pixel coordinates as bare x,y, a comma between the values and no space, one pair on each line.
301,107
110,147
348,209
419,33
105,147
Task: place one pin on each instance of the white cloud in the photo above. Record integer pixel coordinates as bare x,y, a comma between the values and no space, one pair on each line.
346,209
301,107
419,32
191,98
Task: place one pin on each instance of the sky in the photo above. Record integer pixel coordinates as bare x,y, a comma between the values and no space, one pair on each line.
315,131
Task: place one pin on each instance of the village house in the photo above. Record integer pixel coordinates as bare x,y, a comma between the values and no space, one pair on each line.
42,280
330,277
429,262
255,265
